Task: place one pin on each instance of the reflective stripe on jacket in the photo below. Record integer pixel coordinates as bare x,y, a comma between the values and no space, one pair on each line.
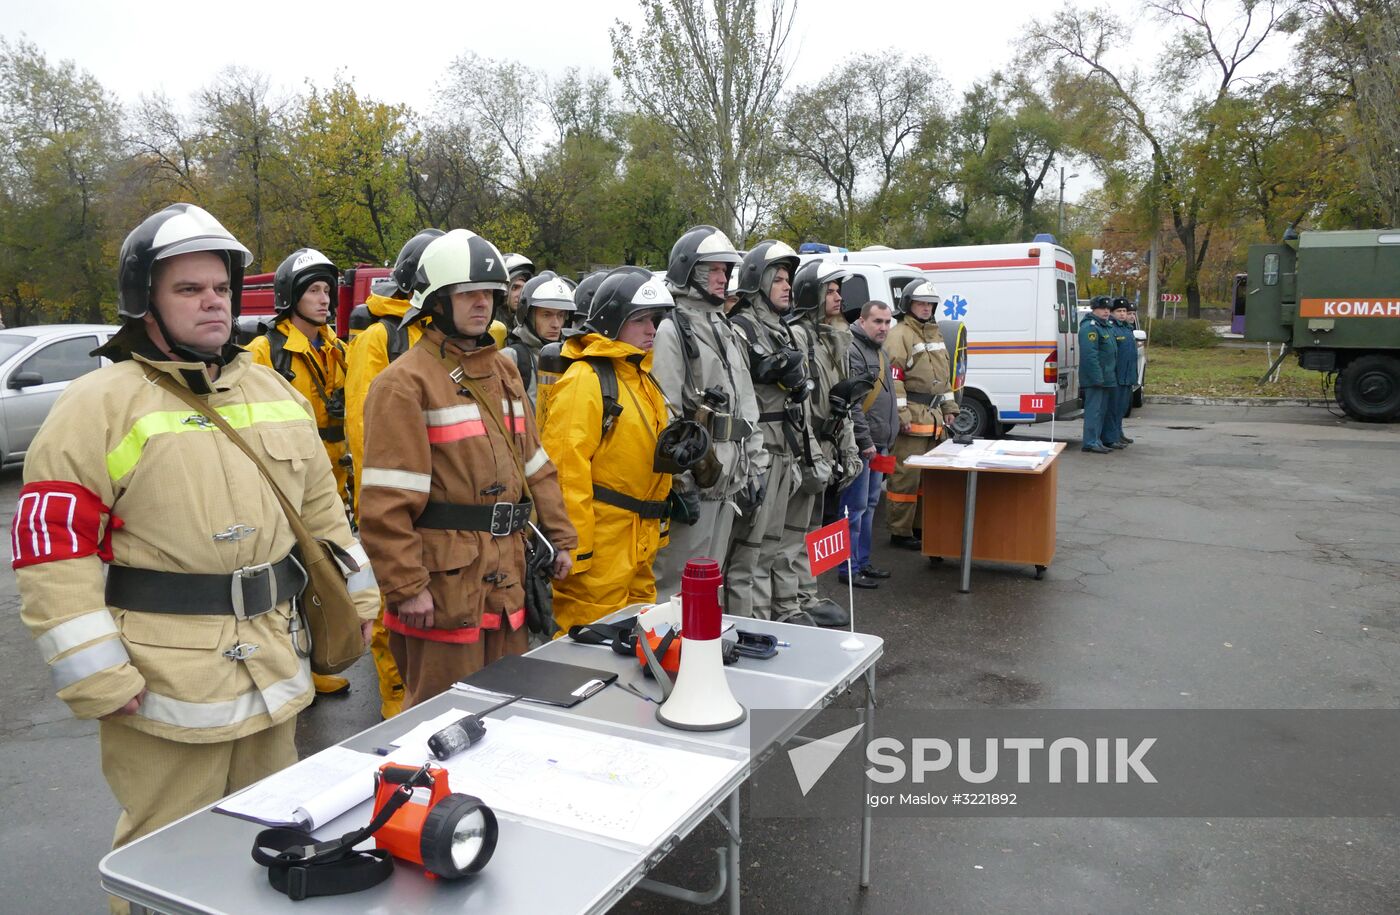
427,439
189,501
920,360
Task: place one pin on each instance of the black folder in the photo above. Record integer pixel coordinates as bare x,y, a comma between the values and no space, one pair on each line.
559,684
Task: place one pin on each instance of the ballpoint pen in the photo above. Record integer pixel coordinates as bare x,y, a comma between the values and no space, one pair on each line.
633,690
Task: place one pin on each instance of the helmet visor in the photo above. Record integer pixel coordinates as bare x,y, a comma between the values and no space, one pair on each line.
205,243
654,315
473,287
718,257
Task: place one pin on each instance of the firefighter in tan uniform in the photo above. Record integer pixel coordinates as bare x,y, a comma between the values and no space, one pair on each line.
197,690
302,349
545,308
444,511
923,393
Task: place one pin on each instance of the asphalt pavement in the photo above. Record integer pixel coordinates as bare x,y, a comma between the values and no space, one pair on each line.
1234,557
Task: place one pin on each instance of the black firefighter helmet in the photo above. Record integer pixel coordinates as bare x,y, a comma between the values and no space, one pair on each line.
624,292
295,275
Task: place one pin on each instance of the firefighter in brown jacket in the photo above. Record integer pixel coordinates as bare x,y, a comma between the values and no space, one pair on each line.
923,391
444,512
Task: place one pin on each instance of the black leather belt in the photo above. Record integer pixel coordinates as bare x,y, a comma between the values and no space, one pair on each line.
498,520
249,592
652,511
333,434
925,399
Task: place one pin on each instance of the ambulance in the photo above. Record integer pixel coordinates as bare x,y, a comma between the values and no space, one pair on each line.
1018,303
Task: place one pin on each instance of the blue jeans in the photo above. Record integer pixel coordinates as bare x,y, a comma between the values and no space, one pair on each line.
860,499
1097,403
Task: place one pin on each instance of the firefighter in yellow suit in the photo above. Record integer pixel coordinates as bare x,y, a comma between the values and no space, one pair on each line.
371,352
302,349
174,627
604,452
923,392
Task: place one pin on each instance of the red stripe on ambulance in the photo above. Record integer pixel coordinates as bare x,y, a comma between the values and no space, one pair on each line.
980,265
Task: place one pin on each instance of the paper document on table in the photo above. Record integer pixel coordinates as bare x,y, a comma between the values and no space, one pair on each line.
991,454
611,786
1037,449
310,793
994,459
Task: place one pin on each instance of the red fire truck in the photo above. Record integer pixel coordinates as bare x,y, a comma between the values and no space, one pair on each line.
257,310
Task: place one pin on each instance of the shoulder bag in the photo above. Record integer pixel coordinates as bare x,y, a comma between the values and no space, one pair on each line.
326,606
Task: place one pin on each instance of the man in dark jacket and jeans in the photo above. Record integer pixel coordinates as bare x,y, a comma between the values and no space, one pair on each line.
875,436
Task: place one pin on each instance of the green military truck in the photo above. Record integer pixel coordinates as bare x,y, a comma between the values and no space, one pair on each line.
1334,299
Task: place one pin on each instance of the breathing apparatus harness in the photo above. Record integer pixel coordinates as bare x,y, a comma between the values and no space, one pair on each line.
679,447
334,403
712,412
785,368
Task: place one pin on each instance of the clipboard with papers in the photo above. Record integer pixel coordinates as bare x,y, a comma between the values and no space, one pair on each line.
551,682
308,794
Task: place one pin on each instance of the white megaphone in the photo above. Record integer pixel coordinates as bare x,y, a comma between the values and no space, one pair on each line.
700,699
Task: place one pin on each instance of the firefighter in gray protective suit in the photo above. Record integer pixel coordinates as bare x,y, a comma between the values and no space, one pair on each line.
834,396
702,368
763,577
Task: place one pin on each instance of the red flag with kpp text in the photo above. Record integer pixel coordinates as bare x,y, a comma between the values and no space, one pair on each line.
828,547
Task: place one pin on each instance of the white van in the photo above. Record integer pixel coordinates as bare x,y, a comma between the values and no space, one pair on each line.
1018,304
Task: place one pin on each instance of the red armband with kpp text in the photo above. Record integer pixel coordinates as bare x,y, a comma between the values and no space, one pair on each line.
55,520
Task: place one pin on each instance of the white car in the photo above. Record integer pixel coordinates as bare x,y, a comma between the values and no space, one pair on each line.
36,364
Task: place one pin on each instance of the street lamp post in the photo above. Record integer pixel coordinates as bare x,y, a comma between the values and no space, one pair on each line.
1060,224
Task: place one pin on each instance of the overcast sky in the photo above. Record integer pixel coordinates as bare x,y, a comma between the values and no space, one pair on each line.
396,52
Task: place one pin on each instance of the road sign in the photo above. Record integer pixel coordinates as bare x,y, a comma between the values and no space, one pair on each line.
1037,403
1171,297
